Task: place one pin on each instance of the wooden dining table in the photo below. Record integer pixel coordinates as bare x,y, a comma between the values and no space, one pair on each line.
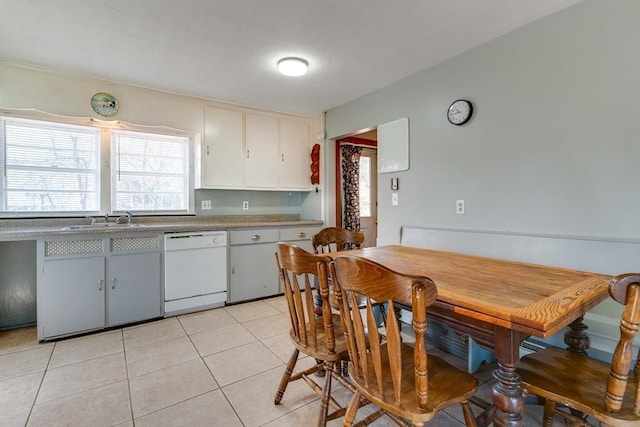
500,303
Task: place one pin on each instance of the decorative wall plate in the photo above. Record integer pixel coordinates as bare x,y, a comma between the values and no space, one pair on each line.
104,104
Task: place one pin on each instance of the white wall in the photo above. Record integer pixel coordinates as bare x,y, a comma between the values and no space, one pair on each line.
554,144
70,95
553,148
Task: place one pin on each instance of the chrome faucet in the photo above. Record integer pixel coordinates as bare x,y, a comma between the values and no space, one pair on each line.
106,218
119,219
91,220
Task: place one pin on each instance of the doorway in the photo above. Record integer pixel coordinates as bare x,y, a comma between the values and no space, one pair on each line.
356,185
368,191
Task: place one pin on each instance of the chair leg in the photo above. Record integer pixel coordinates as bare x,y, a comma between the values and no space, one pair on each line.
326,394
350,415
287,374
469,419
549,409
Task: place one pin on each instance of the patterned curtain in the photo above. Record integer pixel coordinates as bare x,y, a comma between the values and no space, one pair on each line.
350,181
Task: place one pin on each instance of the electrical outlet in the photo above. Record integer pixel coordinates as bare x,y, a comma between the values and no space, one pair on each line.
394,199
245,205
205,205
460,207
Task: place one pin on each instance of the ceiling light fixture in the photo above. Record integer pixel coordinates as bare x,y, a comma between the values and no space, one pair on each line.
293,67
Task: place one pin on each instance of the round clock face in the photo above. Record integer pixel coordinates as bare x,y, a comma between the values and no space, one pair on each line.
104,104
459,112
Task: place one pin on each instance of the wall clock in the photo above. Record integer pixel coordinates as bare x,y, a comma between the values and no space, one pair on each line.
459,112
104,104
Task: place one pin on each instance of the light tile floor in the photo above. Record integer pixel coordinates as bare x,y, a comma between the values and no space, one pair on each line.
219,367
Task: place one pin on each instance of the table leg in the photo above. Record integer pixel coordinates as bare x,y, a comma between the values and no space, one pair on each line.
507,396
575,337
577,341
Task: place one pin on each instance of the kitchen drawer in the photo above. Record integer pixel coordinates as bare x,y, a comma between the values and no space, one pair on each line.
298,233
259,235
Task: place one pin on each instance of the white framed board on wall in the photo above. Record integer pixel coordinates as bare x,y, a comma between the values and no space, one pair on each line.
393,146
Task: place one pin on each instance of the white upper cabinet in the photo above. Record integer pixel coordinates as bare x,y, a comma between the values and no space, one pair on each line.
250,150
262,159
295,170
223,150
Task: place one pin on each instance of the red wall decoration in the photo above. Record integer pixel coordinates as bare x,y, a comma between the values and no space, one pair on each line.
315,164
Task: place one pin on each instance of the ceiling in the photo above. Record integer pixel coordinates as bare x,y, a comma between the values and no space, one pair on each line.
227,49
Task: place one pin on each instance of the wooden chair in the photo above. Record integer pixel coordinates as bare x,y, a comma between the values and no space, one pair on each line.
333,239
586,385
318,337
405,382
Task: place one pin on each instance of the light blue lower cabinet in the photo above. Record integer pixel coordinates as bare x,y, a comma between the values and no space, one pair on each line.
71,296
253,273
133,288
91,282
252,263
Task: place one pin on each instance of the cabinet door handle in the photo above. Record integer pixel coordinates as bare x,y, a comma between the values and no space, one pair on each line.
233,269
282,157
100,283
255,237
302,235
207,150
114,283
247,153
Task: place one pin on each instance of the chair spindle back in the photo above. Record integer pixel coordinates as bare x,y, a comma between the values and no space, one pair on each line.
370,352
333,239
297,269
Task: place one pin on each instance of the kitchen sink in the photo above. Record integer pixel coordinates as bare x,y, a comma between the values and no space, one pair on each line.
101,225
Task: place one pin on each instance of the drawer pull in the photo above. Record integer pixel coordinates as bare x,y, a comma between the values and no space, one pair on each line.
302,235
100,283
255,237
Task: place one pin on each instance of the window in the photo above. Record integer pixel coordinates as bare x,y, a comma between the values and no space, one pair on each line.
56,168
49,167
364,186
148,172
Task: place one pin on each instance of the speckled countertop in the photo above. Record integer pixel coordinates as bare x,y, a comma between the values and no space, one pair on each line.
29,229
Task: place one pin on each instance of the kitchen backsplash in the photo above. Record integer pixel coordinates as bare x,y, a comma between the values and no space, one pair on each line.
230,202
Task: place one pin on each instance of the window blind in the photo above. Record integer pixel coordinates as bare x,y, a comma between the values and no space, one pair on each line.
149,172
49,167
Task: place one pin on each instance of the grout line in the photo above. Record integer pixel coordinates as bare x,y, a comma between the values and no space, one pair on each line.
126,370
220,387
44,373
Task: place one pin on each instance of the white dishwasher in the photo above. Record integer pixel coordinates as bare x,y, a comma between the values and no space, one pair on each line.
195,271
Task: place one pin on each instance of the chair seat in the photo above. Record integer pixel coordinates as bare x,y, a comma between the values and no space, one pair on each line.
565,376
447,386
322,352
